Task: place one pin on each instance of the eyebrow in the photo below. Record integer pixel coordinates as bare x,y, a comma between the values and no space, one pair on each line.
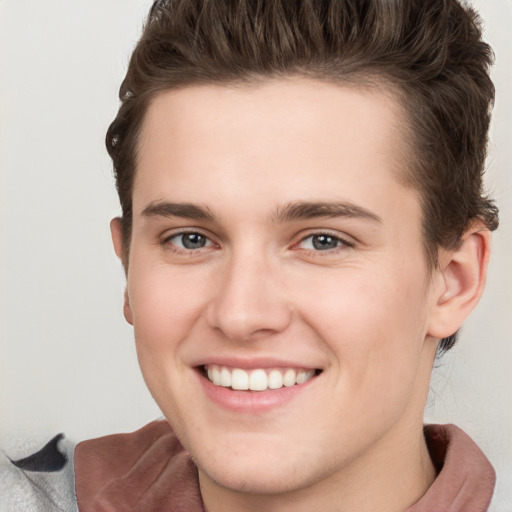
183,210
298,210
303,210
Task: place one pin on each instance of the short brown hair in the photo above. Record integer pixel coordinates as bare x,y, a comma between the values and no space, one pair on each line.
431,53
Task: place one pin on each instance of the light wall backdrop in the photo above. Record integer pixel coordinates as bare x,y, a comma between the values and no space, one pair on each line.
67,359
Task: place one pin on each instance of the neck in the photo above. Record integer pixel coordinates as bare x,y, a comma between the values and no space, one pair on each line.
391,477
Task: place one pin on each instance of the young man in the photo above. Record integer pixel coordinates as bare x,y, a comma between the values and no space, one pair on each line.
303,229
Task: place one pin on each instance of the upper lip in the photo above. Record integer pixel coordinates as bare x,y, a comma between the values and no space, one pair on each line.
253,363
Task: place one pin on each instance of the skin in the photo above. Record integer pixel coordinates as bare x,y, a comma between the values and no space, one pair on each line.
366,312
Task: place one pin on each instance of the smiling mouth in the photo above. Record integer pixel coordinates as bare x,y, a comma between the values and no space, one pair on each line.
257,379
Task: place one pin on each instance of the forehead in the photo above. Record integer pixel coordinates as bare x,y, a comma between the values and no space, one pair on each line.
277,140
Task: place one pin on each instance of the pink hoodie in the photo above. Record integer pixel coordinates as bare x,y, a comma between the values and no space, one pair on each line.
149,471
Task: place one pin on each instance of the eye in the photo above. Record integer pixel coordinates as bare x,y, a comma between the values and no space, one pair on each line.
189,240
322,242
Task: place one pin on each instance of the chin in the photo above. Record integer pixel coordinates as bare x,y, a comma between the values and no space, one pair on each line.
255,478
263,471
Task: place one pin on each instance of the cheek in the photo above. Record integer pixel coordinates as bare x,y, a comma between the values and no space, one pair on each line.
164,313
165,307
373,322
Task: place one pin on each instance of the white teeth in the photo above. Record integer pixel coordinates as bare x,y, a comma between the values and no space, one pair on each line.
256,380
304,376
225,377
289,378
275,379
215,376
239,379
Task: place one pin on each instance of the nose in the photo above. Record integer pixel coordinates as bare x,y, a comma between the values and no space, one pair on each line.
250,300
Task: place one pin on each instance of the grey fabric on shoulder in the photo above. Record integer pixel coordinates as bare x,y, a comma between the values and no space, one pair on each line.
41,482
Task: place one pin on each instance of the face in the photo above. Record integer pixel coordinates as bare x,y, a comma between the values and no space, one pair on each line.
277,282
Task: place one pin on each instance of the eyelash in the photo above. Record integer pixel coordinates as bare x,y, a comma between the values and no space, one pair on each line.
342,243
183,250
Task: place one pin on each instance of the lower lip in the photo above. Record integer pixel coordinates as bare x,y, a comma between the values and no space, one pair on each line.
253,402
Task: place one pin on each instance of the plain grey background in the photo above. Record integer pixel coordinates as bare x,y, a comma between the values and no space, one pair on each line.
67,360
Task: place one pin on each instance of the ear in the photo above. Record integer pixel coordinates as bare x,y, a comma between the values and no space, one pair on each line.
116,232
461,281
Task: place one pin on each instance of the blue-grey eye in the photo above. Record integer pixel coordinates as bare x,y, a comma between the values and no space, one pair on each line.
189,241
321,242
193,240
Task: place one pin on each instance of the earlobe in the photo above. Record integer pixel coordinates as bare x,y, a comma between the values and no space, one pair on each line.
127,310
462,280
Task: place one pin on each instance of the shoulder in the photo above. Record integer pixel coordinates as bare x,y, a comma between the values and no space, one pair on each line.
40,482
145,470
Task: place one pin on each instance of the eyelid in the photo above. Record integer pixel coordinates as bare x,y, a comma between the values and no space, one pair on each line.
170,234
346,241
